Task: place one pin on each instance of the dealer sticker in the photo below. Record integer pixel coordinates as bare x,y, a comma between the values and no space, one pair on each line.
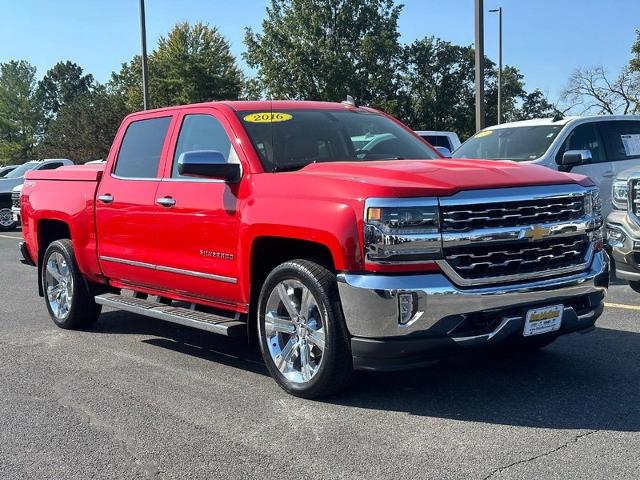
267,117
543,320
484,133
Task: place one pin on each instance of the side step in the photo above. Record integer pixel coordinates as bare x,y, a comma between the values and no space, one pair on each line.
180,315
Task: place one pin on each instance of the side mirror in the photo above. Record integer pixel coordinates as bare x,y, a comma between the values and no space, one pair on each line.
208,164
444,151
572,158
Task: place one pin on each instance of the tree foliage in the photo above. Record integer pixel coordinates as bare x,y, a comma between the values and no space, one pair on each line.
61,85
20,111
193,63
85,127
326,50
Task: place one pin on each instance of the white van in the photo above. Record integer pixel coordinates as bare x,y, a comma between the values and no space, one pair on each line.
597,146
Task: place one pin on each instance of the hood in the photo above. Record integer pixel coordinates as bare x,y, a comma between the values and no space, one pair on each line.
443,177
628,173
7,184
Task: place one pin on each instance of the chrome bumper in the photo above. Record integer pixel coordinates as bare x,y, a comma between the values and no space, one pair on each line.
16,214
623,250
371,303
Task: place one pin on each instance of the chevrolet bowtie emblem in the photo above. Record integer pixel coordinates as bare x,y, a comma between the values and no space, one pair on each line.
537,232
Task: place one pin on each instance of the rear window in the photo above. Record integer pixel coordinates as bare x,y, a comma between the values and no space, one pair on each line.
292,139
438,141
622,139
139,154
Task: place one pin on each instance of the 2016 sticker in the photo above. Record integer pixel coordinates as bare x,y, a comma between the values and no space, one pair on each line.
484,133
267,117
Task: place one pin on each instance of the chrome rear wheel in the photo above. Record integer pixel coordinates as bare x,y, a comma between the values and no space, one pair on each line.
58,283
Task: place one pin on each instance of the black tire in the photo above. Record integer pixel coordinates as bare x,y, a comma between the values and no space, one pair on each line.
83,310
635,285
336,367
6,227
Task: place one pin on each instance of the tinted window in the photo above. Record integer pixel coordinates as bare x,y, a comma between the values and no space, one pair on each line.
510,143
584,137
438,141
141,147
51,166
202,132
292,139
622,139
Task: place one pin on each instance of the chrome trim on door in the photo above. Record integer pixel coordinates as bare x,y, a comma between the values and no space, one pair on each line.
166,201
163,268
106,198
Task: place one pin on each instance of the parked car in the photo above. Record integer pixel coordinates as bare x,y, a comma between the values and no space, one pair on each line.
441,139
6,170
623,227
261,218
599,147
15,178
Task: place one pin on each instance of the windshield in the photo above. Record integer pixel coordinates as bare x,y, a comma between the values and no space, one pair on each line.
21,170
292,139
520,144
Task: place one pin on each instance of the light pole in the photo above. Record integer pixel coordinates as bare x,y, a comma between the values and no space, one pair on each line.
499,11
145,71
479,48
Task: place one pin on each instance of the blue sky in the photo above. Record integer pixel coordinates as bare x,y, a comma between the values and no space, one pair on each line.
545,39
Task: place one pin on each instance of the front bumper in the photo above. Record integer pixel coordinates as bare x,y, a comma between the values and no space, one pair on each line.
626,250
446,317
16,214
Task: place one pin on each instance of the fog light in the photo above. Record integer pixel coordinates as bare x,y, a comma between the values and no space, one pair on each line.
615,237
407,307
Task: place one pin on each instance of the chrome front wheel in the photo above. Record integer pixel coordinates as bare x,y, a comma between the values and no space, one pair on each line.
6,220
303,337
295,331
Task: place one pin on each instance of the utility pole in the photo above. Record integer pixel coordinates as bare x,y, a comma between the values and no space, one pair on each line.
479,48
145,70
499,11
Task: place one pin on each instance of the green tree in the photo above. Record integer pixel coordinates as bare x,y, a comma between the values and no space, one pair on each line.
61,85
438,89
328,49
193,63
21,111
85,127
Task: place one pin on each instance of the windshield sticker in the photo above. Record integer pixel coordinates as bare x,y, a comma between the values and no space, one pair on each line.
267,117
631,144
484,133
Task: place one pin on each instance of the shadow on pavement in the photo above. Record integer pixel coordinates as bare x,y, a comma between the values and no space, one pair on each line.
589,381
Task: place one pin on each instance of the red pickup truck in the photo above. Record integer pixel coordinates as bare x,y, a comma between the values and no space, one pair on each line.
329,232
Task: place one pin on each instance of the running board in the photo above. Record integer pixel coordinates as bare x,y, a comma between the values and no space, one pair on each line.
180,315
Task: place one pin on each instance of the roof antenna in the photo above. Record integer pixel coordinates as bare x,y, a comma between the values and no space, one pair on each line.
349,102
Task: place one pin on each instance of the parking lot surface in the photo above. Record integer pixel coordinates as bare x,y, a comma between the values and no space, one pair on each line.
133,397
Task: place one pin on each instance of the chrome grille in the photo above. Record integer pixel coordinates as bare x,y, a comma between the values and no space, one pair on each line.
508,235
634,196
468,217
15,199
518,258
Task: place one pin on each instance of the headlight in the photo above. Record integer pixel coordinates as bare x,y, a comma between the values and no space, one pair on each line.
620,194
402,231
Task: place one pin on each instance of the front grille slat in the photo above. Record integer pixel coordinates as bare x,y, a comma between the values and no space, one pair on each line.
635,196
470,217
15,199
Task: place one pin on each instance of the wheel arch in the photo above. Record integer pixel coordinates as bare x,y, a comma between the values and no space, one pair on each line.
48,231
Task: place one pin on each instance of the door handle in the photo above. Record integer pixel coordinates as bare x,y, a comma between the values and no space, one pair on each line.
106,198
166,201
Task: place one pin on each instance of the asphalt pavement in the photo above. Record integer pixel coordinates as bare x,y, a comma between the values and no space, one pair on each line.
134,397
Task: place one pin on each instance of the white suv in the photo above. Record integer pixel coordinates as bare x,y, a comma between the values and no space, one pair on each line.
598,146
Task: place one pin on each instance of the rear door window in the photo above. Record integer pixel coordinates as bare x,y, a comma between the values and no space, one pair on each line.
622,139
141,148
51,166
438,141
